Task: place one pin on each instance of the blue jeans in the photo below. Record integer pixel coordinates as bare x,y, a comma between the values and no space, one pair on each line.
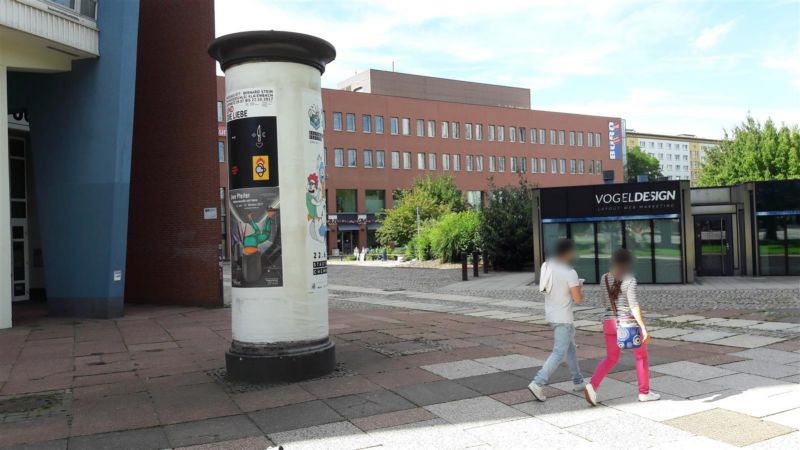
563,347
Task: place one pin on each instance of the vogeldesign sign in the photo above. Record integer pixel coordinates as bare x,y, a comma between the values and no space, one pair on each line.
607,201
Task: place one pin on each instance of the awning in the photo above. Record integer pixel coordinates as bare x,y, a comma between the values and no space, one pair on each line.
347,227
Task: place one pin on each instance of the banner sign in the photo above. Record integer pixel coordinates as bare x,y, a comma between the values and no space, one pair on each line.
610,200
256,256
614,140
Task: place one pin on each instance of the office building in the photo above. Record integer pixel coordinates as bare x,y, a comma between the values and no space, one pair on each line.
680,156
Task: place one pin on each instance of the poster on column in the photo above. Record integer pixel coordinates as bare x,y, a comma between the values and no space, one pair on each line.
316,209
256,254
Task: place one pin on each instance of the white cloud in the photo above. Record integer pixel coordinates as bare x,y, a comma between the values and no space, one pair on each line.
710,37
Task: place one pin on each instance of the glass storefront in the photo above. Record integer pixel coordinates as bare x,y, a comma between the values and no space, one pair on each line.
779,244
583,235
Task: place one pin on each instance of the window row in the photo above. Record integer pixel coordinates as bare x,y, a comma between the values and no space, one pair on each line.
452,130
471,163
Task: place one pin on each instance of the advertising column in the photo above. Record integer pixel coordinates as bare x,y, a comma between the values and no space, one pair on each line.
273,111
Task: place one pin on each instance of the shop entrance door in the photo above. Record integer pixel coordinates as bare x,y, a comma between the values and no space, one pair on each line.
347,241
713,245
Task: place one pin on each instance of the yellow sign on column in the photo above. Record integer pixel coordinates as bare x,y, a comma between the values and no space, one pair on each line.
260,168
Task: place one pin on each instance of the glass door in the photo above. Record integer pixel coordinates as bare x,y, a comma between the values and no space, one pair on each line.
713,245
19,219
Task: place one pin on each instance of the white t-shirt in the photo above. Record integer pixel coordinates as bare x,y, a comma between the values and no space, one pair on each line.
558,302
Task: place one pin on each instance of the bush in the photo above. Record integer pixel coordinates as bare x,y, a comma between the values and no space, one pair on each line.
507,226
455,233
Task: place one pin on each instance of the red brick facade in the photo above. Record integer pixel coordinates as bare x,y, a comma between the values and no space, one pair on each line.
172,251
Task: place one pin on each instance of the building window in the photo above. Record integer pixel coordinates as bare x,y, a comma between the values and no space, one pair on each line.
421,161
543,165
394,125
431,161
380,159
572,139
478,132
572,166
491,164
562,166
445,129
431,128
407,160
479,163
580,138
368,159
406,126
597,139
513,165
591,167
456,163
560,137
445,161
366,123
351,157
474,199
589,139
338,157
456,130
542,133
351,121
374,200
501,131
469,163
521,135
533,165
553,165
346,201
379,124
395,160
219,112
552,137
337,121
512,134
490,130
468,131
420,128
501,163
533,135
669,146
221,151
522,163
598,167
581,166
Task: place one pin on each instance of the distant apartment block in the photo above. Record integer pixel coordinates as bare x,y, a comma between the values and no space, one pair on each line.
681,156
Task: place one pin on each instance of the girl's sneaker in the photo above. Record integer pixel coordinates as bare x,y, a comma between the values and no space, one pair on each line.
537,391
590,394
649,397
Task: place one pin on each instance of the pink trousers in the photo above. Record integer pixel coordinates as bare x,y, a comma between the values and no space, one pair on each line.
612,356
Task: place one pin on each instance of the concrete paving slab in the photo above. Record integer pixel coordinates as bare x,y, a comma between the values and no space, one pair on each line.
368,404
146,438
526,433
694,442
682,387
475,412
791,440
746,381
435,392
668,333
435,433
683,319
494,383
769,354
709,321
609,389
510,362
669,407
291,417
691,370
730,427
393,419
737,323
342,435
789,418
459,369
251,443
626,431
566,411
761,402
747,341
763,368
211,430
703,336
775,326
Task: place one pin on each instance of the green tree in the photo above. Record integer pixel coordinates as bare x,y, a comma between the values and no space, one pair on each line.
641,163
507,225
433,196
754,152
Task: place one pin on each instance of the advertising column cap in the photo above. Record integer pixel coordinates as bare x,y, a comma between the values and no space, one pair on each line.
287,46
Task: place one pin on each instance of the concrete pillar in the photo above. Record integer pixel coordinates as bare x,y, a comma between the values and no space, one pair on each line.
273,109
5,208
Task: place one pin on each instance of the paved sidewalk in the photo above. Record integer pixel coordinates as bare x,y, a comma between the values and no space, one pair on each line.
406,378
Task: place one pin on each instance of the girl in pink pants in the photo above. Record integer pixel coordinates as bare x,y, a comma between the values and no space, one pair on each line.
619,299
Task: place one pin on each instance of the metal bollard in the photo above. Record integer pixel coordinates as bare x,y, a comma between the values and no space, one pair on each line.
463,267
475,257
485,262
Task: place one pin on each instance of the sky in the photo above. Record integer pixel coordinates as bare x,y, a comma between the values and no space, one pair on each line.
669,66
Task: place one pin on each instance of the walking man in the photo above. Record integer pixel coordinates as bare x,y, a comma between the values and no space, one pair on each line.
562,287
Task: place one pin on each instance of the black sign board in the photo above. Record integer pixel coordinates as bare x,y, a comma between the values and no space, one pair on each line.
781,195
253,152
609,200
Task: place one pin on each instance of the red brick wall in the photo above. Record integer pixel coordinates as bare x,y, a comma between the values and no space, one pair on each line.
172,250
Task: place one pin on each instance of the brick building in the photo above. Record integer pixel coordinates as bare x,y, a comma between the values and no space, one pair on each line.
384,129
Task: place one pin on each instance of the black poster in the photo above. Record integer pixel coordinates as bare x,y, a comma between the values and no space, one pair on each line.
253,152
608,200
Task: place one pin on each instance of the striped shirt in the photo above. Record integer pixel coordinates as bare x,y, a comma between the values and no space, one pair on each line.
625,301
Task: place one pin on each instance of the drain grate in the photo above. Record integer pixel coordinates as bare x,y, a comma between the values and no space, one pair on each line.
235,387
410,347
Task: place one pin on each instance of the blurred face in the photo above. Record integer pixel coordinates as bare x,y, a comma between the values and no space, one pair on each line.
569,257
620,267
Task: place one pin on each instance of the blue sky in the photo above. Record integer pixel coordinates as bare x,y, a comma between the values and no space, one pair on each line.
665,66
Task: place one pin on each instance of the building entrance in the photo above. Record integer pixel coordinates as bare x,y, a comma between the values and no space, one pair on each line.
347,241
713,245
20,273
